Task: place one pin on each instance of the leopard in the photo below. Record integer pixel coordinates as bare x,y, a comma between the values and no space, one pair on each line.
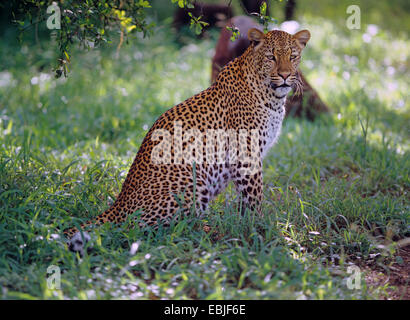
173,174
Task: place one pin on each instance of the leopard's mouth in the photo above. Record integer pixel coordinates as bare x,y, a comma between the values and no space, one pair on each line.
275,86
281,90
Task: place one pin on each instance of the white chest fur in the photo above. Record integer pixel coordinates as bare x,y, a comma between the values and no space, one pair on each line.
273,125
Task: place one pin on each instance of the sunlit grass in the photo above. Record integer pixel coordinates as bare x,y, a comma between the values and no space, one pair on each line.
335,189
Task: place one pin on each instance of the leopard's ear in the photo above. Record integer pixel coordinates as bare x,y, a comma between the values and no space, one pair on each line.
256,37
302,37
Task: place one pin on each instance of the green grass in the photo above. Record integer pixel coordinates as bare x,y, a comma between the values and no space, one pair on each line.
335,189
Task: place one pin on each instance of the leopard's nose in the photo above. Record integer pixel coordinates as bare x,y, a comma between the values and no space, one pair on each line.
284,75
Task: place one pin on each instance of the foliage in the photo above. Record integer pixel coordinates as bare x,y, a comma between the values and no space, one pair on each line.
197,24
91,23
264,20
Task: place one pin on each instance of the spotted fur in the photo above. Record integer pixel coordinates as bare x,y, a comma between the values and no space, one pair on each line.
249,94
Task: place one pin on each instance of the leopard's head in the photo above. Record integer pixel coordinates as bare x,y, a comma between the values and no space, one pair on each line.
276,55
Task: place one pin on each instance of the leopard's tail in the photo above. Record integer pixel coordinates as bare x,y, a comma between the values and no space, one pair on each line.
110,215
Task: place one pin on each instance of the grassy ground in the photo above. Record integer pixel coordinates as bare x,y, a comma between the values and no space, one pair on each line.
336,190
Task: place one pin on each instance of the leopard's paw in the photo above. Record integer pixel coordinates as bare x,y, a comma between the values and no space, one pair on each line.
78,242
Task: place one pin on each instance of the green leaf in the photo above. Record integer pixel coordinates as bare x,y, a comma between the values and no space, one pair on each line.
198,28
262,9
144,4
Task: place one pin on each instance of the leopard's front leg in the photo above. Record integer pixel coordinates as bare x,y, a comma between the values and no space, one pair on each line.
250,188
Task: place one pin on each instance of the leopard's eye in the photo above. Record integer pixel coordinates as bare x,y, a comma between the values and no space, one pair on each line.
271,57
293,57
